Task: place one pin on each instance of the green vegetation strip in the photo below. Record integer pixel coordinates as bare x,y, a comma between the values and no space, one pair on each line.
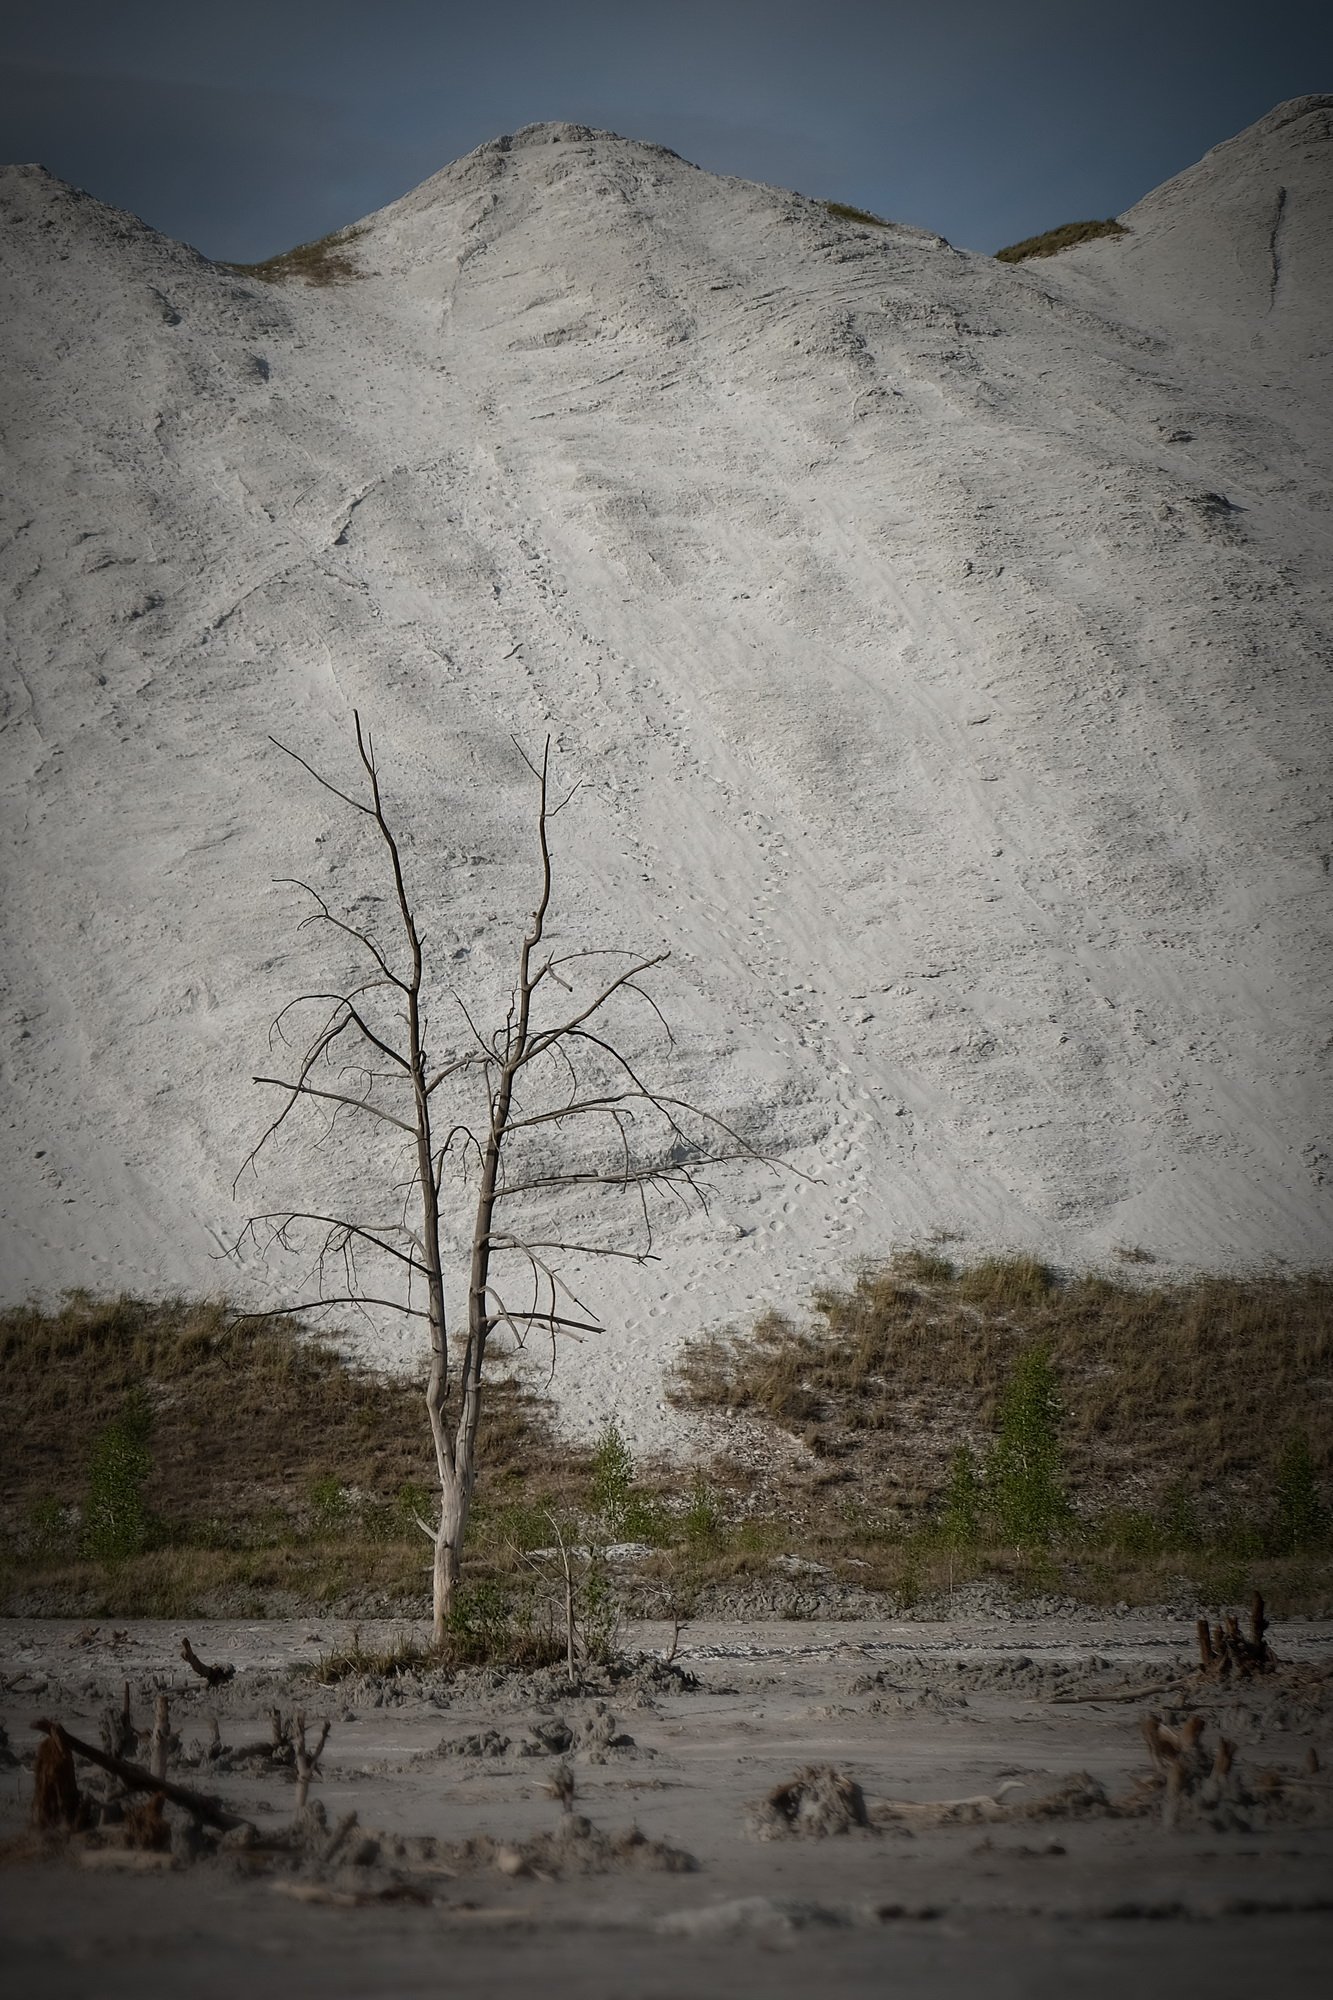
1055,240
1107,1428
844,212
324,262
925,1425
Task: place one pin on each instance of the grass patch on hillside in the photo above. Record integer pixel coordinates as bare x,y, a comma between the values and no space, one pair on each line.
1052,241
323,262
992,1406
1089,1435
157,1453
844,212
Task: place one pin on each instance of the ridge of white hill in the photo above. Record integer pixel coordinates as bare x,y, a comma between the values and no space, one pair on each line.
1234,255
943,646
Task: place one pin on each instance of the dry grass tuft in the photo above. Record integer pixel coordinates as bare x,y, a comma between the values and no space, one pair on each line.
323,262
1052,241
843,211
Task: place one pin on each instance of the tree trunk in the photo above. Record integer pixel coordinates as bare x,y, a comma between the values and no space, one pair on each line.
448,1556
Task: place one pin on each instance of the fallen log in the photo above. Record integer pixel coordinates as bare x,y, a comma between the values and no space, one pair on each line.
138,1780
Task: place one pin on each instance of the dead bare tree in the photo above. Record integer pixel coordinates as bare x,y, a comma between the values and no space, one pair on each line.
506,1154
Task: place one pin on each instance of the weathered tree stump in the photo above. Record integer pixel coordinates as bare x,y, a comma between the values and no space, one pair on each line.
56,1803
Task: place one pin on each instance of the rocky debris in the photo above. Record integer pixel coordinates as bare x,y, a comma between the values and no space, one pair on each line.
1190,1784
1077,1796
976,1808
482,1743
143,1823
372,1864
1302,1707
595,1738
929,1702
763,1915
577,1847
281,1751
814,1803
940,1683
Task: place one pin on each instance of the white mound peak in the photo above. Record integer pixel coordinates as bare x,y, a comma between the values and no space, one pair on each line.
943,645
1236,254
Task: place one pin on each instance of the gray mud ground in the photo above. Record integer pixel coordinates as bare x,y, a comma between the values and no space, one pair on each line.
1070,1899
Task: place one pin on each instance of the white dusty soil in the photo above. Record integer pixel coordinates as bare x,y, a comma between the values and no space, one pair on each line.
943,648
1003,1905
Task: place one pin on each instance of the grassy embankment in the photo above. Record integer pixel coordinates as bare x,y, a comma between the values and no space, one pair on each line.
1052,241
925,1426
323,262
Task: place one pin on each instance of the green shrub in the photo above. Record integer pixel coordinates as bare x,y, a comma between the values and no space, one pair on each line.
701,1522
1298,1514
625,1514
116,1521
598,1612
494,1625
1132,1531
50,1531
1179,1514
960,1523
1023,1477
356,1661
332,1508
611,1488
518,1525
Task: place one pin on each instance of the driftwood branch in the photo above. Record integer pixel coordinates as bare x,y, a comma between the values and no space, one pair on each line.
215,1676
136,1779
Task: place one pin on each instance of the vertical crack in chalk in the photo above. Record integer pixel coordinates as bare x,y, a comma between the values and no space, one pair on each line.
1275,266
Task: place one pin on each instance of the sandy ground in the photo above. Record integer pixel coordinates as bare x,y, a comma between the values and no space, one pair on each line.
916,1712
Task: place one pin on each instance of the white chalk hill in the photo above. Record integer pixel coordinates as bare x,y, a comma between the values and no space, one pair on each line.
943,645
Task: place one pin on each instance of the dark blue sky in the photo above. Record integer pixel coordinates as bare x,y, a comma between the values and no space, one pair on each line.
245,126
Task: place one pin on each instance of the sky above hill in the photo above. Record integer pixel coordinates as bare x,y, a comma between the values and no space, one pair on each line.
246,128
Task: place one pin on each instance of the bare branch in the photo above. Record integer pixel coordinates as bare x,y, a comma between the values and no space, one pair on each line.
585,1106
543,1040
456,1067
525,1245
283,1218
320,779
323,1303
325,915
332,1097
